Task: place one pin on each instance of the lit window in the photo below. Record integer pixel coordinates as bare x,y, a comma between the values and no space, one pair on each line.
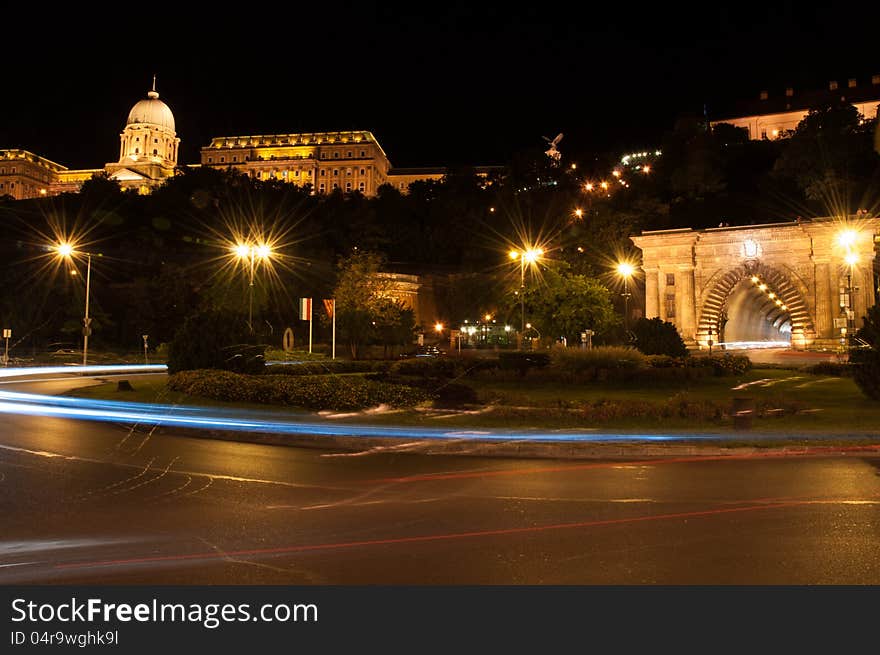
335,186
321,187
361,186
348,186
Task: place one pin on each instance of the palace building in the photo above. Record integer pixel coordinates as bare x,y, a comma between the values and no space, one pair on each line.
148,155
772,117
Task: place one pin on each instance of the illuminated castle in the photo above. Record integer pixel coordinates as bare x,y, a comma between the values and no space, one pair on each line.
148,149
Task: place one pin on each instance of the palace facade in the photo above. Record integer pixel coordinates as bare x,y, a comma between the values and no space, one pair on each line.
773,117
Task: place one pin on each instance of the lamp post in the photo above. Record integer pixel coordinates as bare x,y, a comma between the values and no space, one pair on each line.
851,259
625,270
530,255
250,253
66,251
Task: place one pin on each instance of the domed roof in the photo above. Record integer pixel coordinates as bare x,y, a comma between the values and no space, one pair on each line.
152,110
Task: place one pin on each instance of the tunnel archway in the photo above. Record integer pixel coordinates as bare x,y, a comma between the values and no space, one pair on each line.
754,305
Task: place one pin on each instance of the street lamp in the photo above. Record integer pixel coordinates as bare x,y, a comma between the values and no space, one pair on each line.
530,255
625,270
251,253
851,260
66,251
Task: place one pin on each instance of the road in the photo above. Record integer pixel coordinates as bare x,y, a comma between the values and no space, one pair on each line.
84,502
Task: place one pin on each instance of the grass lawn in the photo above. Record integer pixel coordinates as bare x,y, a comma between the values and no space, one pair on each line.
826,405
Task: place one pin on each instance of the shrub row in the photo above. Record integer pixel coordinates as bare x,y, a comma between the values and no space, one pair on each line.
328,367
834,369
309,392
677,407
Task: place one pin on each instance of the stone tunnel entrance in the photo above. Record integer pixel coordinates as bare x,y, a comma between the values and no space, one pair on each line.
801,284
754,305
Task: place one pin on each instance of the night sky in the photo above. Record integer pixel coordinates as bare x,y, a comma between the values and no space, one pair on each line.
451,85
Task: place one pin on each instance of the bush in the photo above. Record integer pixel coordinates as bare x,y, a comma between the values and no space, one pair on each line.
866,371
428,367
598,363
835,369
521,362
309,392
327,367
444,393
724,365
214,339
866,361
657,337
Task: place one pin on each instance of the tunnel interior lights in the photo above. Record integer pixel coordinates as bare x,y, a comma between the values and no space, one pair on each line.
772,295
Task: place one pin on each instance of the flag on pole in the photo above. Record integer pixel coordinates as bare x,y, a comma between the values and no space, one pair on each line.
329,306
305,309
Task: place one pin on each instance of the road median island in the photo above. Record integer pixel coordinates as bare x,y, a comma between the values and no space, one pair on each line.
789,411
600,446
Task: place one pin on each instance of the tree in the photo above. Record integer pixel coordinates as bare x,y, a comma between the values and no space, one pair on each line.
365,308
564,305
213,339
658,337
829,155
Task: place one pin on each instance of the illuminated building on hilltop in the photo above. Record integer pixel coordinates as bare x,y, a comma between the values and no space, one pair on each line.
348,161
774,117
148,155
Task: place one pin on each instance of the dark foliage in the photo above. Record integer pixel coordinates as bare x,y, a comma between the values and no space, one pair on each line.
214,339
658,337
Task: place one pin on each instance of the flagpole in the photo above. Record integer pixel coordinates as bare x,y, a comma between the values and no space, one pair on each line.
334,329
310,326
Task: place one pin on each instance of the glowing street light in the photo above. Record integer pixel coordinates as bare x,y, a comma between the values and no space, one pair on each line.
438,327
847,238
66,250
251,253
625,270
579,212
530,255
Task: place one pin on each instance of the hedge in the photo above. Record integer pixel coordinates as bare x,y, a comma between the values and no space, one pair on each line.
307,391
328,367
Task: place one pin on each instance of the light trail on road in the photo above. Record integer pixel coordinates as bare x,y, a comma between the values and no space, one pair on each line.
12,402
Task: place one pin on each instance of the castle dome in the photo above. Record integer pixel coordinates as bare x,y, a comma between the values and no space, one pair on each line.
153,111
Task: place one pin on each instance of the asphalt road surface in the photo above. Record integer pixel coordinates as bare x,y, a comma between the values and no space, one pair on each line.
84,502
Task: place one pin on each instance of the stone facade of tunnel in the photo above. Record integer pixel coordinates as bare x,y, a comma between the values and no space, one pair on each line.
809,266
